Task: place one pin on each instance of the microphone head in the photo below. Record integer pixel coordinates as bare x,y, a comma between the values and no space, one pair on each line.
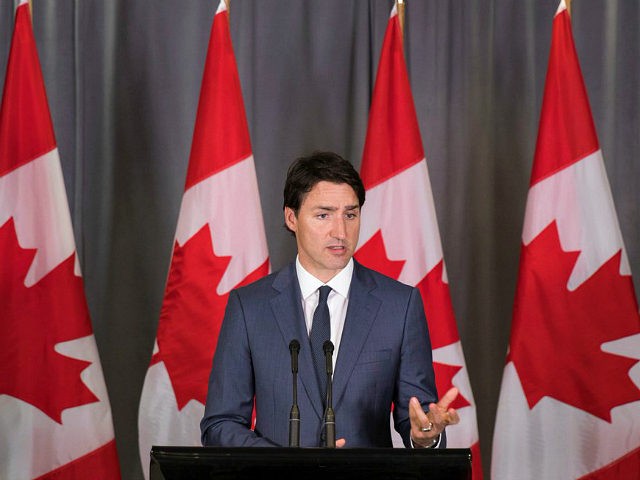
294,346
327,346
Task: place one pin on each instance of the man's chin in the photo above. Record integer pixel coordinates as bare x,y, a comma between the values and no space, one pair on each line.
339,263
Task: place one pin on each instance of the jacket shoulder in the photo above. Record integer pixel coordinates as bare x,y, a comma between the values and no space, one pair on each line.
267,284
379,280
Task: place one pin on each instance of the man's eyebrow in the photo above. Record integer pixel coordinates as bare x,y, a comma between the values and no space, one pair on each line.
333,209
325,207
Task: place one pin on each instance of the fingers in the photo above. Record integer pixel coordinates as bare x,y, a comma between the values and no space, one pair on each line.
442,417
452,417
448,398
448,415
437,418
424,431
417,413
426,426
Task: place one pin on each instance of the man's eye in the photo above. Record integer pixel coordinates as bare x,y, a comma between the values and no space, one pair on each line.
323,215
351,216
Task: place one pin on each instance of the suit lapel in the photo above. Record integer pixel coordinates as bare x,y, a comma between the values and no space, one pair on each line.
361,312
287,309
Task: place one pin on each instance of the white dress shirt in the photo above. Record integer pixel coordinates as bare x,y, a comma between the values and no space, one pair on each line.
337,301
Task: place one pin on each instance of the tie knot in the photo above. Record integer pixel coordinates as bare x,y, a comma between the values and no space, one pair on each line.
324,293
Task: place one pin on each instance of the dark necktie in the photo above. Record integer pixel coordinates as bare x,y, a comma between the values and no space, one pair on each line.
320,333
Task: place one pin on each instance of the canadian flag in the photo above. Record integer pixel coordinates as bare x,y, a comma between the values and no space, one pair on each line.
220,243
569,404
55,417
399,233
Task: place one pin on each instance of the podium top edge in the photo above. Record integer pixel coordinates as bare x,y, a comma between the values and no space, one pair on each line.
173,450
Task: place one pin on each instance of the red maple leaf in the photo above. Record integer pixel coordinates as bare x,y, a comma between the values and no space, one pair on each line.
191,315
558,334
374,255
444,381
34,320
436,299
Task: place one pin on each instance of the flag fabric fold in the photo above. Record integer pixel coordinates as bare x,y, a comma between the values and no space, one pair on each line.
399,233
569,405
55,416
220,243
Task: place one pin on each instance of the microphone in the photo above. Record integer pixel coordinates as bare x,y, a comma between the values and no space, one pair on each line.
329,416
294,415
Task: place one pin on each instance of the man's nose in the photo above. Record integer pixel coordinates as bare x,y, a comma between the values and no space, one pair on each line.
339,229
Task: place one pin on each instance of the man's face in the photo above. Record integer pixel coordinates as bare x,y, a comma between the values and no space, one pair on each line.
326,227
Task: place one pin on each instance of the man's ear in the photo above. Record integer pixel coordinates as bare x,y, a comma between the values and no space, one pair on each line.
290,219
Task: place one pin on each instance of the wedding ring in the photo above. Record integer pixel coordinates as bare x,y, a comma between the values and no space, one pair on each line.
427,429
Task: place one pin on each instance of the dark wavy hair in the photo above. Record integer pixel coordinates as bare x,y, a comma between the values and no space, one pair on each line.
305,172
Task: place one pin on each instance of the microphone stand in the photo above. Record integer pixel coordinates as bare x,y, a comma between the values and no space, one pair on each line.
329,416
294,415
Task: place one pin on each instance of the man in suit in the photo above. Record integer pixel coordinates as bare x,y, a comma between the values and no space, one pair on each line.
377,325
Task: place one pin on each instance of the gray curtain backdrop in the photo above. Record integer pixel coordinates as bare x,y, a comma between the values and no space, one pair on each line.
123,80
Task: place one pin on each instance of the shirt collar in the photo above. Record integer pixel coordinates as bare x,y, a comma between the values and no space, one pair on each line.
309,284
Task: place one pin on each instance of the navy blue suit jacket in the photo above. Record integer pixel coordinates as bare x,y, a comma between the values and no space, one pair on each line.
384,358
